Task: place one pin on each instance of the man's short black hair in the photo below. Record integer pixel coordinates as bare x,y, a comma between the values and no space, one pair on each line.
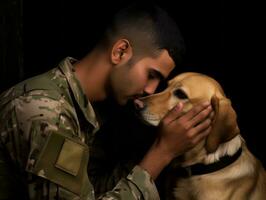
148,28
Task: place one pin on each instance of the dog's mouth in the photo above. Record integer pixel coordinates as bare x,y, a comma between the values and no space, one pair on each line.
149,118
144,115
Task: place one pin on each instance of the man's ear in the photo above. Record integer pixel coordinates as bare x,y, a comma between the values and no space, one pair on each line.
121,51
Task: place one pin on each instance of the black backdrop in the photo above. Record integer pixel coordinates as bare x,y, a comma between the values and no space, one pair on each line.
224,40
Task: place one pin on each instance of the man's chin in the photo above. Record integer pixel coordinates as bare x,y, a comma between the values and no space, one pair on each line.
122,102
117,100
129,103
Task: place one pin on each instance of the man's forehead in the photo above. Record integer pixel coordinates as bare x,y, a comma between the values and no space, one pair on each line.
165,63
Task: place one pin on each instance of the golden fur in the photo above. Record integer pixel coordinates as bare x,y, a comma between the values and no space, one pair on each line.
244,179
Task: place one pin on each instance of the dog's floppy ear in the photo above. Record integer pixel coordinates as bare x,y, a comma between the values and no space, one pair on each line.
224,125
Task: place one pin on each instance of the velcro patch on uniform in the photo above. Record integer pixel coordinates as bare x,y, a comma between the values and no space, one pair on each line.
70,157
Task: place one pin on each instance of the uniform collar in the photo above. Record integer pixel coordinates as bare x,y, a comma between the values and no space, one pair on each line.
68,69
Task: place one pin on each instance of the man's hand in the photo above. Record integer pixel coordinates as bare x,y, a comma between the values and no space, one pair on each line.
178,133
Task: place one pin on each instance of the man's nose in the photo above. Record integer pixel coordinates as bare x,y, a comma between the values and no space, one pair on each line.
151,87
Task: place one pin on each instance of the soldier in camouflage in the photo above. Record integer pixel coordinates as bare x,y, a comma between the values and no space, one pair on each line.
47,123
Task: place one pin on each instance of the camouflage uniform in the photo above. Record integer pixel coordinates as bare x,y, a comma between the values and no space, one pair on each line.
47,127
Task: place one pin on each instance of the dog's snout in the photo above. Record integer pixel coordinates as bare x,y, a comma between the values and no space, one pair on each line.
139,105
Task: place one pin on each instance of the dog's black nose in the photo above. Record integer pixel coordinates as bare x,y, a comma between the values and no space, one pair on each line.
139,105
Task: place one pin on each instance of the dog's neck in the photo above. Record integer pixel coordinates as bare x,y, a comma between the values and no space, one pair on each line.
199,154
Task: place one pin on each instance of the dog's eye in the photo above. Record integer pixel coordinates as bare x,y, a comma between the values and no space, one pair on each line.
180,94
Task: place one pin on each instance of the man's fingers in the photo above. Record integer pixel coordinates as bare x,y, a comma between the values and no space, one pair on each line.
201,135
173,114
197,109
201,116
201,130
202,126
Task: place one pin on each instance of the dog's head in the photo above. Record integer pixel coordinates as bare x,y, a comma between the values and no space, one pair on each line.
192,88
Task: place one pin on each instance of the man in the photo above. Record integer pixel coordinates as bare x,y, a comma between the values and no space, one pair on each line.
47,123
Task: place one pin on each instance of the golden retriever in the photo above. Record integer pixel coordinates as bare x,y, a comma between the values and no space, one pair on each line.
219,167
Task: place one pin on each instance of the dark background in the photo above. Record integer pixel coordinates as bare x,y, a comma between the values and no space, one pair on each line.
224,40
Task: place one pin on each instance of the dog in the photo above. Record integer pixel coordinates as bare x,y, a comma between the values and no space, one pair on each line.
219,167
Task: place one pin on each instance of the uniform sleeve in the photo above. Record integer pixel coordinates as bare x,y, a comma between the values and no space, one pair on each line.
29,123
137,185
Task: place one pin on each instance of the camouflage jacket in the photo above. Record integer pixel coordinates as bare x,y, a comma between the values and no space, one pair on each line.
47,126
